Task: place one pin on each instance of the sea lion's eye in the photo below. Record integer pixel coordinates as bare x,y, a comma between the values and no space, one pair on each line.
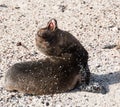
45,35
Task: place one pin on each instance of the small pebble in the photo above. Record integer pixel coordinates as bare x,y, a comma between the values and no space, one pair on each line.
62,7
91,7
42,102
3,5
17,7
19,44
47,104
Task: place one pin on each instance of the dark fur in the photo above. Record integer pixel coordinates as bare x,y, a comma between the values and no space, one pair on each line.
67,62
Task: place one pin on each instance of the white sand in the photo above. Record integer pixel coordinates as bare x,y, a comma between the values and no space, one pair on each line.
95,23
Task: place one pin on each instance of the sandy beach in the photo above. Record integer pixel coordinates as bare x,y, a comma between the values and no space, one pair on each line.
95,24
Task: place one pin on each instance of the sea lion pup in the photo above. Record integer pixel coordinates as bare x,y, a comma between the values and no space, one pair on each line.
65,68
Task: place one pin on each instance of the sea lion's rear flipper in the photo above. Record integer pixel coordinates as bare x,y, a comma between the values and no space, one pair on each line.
93,87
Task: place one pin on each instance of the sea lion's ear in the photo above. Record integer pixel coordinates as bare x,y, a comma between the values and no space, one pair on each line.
52,24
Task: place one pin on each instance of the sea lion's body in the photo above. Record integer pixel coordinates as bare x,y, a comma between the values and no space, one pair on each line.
42,77
65,67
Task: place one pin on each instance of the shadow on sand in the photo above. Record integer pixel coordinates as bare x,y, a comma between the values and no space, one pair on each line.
106,79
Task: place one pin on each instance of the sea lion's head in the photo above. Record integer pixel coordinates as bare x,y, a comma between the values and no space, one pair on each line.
47,39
